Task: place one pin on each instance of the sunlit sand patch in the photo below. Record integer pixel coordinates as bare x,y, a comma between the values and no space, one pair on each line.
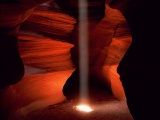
83,108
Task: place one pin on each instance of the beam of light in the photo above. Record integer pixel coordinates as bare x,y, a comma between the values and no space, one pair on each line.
83,57
83,48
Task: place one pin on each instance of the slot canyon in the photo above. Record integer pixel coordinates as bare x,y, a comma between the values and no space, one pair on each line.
40,57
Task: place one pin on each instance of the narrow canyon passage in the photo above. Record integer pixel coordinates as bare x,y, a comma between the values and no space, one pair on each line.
46,41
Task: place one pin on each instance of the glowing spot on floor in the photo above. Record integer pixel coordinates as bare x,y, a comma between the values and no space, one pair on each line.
83,108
